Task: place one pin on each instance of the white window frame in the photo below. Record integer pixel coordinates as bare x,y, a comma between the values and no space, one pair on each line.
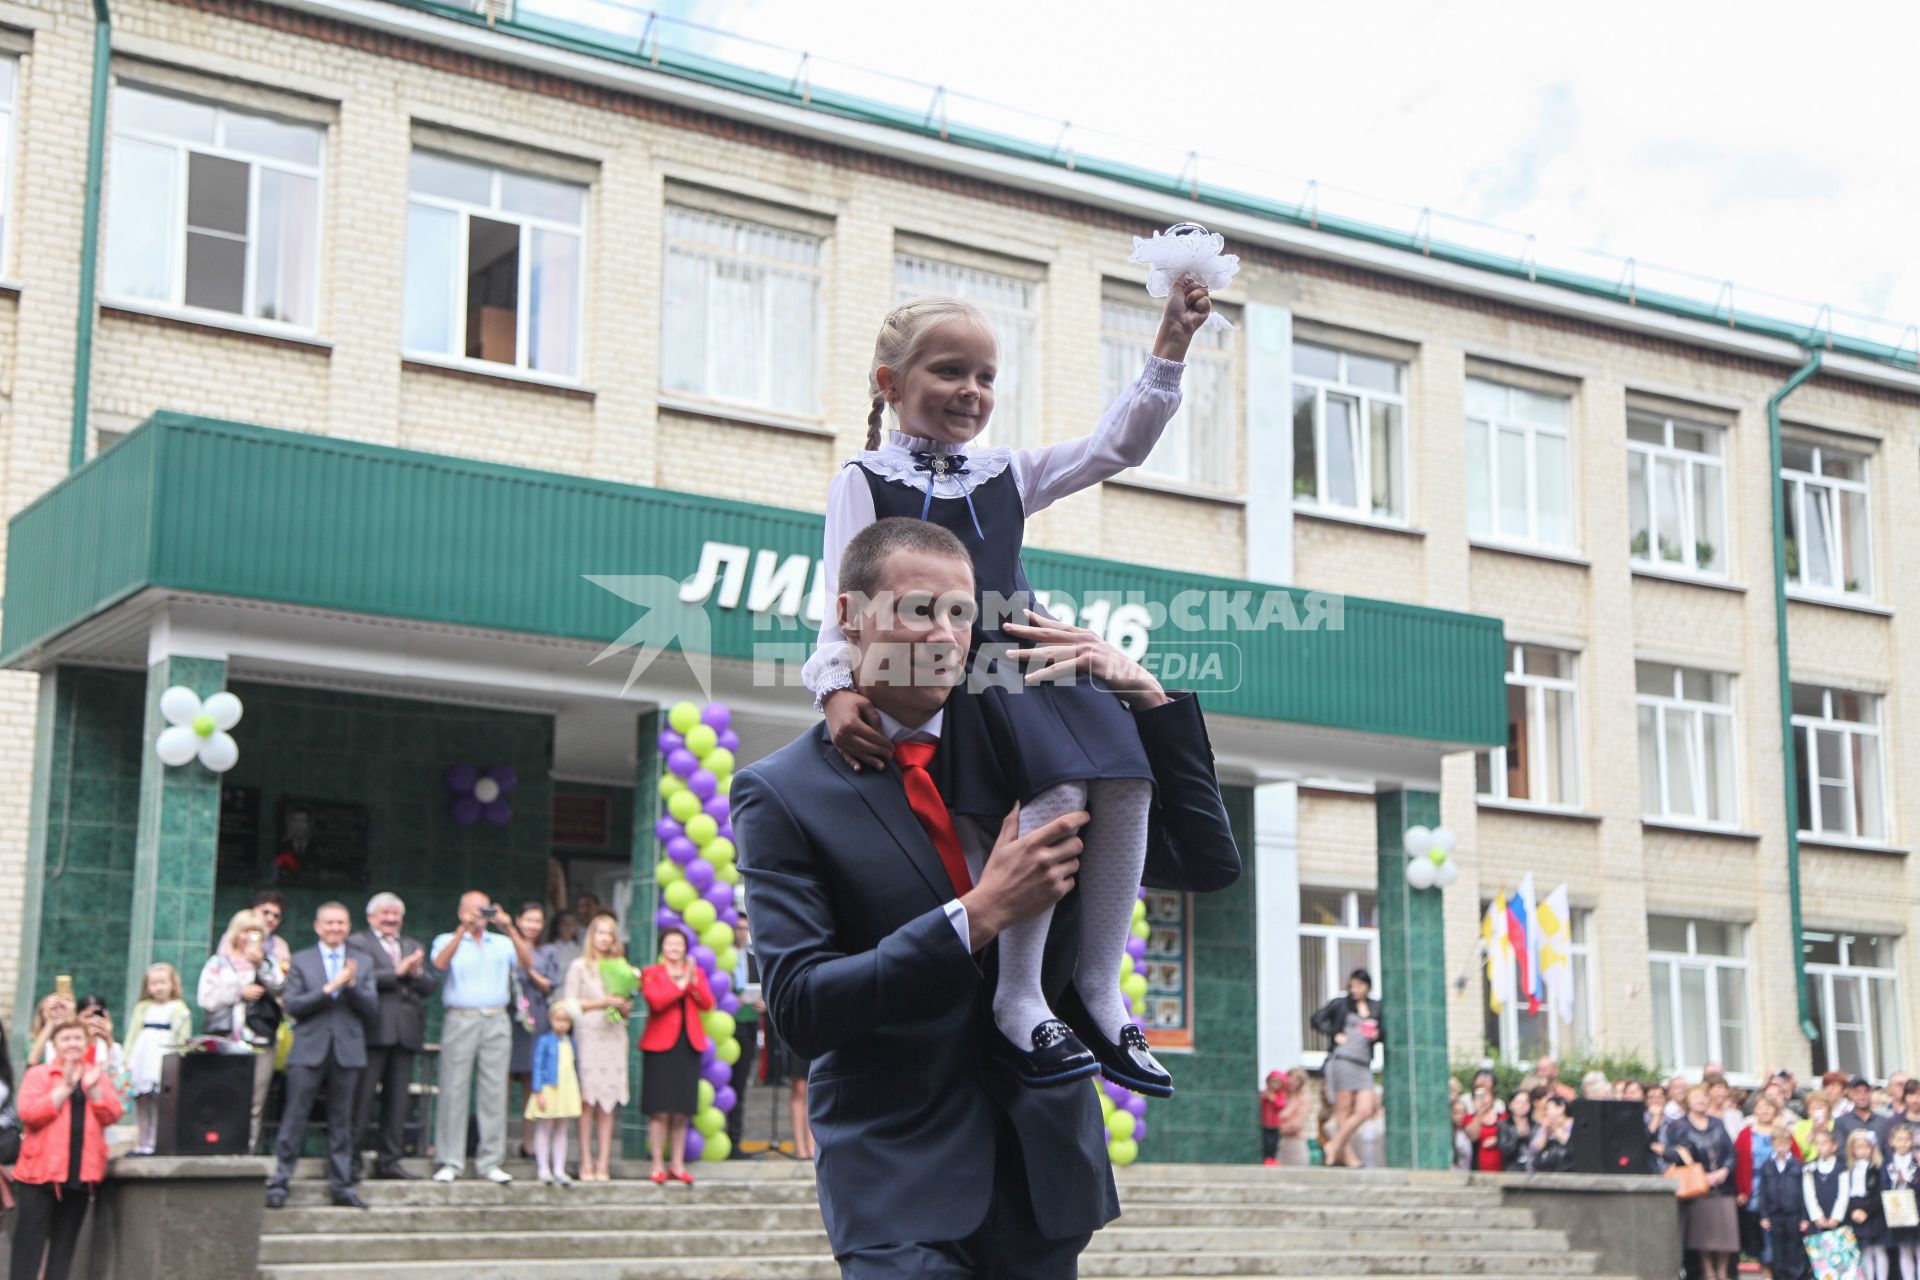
1562,1038
1366,398
716,337
1531,432
1846,971
1019,361
523,288
1710,966
1690,461
1807,760
1677,703
1536,687
1330,936
1189,451
9,113
122,127
1797,482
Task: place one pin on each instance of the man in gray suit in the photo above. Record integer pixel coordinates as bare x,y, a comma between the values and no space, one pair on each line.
403,979
331,999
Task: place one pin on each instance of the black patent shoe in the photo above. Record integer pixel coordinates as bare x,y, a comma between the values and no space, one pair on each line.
1057,1057
1130,1064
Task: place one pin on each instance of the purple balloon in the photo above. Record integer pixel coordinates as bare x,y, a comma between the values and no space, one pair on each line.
1141,893
461,777
683,851
702,784
682,762
506,775
670,742
695,1144
1135,1104
721,896
1139,1022
499,813
1137,948
1139,1130
716,716
666,918
722,983
716,807
703,955
731,915
667,827
1119,1093
724,1097
700,876
716,1073
729,1003
466,810
729,739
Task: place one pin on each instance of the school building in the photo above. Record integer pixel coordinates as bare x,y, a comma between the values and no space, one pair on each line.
423,338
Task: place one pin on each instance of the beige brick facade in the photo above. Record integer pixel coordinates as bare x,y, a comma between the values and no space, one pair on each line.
375,92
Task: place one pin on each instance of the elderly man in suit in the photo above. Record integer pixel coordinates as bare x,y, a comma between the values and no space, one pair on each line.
404,979
878,955
330,996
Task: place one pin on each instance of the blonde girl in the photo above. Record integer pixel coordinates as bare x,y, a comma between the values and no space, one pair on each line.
600,1042
553,1097
1864,1212
160,1024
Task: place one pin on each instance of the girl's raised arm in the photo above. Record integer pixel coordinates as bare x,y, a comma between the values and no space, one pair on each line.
1127,432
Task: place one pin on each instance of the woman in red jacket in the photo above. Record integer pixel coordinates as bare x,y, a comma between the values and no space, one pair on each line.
677,994
65,1106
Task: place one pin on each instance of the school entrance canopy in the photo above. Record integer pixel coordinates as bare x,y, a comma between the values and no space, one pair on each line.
211,554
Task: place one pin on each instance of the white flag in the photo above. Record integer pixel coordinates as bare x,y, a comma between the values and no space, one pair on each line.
1556,954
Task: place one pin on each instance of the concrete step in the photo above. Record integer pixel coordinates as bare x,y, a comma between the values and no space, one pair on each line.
1093,1266
1099,1263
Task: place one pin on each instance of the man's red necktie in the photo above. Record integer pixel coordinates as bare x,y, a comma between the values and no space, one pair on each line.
924,798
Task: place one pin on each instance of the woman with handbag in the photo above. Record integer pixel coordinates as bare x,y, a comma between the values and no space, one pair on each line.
1352,1023
1897,1200
1832,1252
240,993
65,1106
1711,1223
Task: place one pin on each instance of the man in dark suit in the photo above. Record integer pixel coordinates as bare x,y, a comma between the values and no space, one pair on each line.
331,998
933,1160
403,979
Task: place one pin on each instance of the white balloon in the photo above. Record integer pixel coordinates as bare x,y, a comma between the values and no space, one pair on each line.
1417,841
1443,838
1446,873
179,705
176,744
1420,873
220,752
486,791
224,708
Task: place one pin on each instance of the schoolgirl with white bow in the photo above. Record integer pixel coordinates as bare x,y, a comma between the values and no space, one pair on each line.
1864,1213
1899,1175
1050,736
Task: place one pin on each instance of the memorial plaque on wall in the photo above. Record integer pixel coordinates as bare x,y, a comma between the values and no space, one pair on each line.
1169,970
320,844
239,847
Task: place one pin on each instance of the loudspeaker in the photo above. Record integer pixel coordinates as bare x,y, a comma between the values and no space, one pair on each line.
1609,1137
206,1104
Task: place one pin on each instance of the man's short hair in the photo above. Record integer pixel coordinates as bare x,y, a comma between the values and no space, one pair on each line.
269,896
867,552
384,899
341,907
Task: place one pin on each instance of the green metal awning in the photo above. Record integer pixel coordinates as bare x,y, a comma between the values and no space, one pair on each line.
199,506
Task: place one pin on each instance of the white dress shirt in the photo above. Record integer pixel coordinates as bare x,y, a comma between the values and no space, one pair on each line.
974,844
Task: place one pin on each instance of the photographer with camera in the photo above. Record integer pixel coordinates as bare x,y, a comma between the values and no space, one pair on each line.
476,1040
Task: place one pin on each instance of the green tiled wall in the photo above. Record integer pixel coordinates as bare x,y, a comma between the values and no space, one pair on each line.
644,848
1214,1115
1413,990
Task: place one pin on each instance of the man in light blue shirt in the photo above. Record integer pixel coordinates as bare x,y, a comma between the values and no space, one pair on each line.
476,1038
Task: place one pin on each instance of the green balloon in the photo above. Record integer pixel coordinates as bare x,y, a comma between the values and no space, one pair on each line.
1436,856
698,914
1139,909
204,725
670,786
1142,930
1123,1151
685,717
680,895
727,873
705,1094
718,1147
1135,986
685,806
702,741
718,762
717,935
668,872
719,850
1106,1104
1120,1123
727,961
719,1024
701,828
728,1051
711,1120
724,786
1126,967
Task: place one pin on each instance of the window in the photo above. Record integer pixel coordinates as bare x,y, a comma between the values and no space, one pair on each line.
1837,763
1518,464
1198,444
1339,932
1525,1037
1699,987
1856,1004
493,265
1012,307
743,322
1541,761
1676,494
9,79
1686,743
213,208
1825,496
1349,431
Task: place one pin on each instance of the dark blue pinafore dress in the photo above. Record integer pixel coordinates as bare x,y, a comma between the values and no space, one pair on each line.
1041,735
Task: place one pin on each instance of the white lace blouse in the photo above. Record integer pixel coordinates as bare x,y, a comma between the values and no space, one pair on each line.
1124,437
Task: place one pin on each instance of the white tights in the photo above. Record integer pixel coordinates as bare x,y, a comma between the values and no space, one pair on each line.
550,1146
1874,1261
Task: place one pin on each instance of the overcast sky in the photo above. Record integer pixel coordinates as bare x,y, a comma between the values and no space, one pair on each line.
1769,144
